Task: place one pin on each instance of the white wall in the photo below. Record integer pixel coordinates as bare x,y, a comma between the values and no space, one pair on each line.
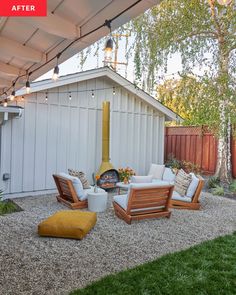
58,134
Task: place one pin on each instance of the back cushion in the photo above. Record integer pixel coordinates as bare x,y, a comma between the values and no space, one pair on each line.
76,184
193,186
182,182
168,175
141,179
156,171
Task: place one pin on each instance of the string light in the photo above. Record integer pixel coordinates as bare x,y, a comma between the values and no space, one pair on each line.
12,96
114,91
69,95
27,85
56,69
46,98
93,94
5,102
109,42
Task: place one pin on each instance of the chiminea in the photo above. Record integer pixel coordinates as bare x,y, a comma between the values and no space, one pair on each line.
108,175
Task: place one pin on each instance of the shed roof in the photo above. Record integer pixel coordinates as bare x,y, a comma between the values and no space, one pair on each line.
103,72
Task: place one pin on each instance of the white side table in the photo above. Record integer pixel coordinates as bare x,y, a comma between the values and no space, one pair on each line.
97,202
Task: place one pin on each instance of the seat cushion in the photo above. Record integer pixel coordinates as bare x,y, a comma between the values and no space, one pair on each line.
168,175
121,200
141,179
156,171
77,185
68,224
193,186
176,196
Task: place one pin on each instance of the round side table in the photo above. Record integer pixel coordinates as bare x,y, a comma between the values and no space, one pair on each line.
97,202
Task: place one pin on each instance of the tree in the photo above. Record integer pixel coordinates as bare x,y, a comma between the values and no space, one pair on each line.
204,33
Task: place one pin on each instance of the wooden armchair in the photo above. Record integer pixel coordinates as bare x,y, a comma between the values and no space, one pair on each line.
67,194
147,201
186,204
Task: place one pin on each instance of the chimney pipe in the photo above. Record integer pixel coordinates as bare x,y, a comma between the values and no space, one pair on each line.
105,165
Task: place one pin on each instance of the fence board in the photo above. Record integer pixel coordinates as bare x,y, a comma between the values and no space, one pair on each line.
197,145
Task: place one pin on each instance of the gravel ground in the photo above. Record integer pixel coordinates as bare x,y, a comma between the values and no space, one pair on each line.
33,265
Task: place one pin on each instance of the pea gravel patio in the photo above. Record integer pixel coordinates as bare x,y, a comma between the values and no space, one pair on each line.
33,265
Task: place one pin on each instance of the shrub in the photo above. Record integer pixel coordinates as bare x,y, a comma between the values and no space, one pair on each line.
213,182
218,191
232,187
173,163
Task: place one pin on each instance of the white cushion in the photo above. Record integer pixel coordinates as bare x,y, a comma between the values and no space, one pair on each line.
156,171
121,200
176,196
168,175
161,182
77,185
193,186
141,179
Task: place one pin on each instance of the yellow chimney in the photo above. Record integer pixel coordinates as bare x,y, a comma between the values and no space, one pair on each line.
105,165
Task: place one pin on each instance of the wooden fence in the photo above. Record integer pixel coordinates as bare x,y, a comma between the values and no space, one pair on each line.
196,145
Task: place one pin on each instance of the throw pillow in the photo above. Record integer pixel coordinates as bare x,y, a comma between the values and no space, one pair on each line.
182,182
82,177
156,171
168,175
141,179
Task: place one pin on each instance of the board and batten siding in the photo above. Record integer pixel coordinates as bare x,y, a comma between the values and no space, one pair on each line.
59,133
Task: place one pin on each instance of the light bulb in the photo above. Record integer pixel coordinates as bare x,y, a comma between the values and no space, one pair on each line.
27,85
12,96
114,91
55,75
93,94
5,103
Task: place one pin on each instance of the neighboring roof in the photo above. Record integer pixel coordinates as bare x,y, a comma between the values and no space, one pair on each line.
103,72
27,42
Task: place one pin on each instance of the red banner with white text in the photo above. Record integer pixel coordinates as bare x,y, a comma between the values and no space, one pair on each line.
23,8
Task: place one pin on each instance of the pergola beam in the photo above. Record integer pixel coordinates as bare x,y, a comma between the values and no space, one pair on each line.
5,83
10,70
10,47
54,25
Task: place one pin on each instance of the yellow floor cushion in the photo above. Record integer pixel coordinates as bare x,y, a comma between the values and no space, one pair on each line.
68,224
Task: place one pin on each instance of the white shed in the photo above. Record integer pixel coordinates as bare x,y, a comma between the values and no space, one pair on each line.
60,128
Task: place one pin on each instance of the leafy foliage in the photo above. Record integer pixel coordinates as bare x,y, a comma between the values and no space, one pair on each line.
207,268
232,187
218,191
213,182
176,164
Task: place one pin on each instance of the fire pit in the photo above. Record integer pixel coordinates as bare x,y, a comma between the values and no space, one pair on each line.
108,179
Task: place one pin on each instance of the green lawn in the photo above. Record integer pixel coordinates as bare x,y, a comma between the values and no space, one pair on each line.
206,269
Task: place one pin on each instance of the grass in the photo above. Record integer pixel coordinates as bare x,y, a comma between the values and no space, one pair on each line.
7,207
205,269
